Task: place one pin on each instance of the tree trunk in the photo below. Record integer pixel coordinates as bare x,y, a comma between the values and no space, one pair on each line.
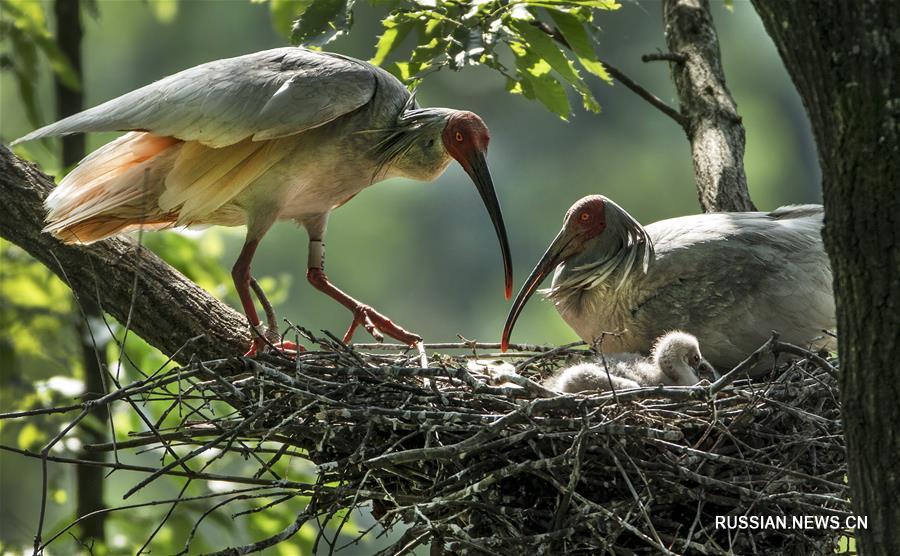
89,480
842,57
712,124
131,283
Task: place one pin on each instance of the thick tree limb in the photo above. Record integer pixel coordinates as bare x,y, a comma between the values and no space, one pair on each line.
166,310
713,125
842,57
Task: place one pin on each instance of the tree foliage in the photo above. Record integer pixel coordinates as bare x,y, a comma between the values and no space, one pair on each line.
23,26
541,47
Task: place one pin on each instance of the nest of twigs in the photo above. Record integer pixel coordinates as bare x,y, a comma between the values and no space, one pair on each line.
470,467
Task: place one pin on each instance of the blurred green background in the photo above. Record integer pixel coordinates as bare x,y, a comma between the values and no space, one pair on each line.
424,254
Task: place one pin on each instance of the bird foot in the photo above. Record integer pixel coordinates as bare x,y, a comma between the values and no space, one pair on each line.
375,324
270,340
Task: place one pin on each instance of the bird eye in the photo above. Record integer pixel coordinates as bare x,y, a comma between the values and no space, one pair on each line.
459,136
584,216
429,143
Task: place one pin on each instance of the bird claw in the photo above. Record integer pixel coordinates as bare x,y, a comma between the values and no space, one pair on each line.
286,348
375,323
269,340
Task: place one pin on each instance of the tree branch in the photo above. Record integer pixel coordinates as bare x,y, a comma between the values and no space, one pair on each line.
168,309
619,76
654,100
713,127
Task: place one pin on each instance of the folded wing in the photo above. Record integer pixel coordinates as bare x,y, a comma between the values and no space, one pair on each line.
260,96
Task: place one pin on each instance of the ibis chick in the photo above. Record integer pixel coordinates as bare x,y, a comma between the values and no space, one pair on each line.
675,361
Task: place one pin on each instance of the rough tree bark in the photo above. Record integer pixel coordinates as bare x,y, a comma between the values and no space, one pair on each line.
90,483
842,57
712,123
129,281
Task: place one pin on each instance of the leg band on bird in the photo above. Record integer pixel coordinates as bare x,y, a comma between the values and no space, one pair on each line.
316,256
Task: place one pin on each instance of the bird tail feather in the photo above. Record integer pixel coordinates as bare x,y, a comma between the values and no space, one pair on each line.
112,190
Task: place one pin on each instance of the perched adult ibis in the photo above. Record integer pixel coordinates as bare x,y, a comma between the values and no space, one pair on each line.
287,133
727,278
675,361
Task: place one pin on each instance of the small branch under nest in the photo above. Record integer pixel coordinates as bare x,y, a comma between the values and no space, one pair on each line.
472,467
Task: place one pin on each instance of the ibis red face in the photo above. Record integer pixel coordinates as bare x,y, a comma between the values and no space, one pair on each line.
585,220
466,139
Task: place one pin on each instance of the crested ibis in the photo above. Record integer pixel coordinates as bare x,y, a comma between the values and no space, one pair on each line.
676,361
727,278
287,133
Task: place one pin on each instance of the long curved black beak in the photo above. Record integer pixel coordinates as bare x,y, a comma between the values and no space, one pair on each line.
553,256
476,167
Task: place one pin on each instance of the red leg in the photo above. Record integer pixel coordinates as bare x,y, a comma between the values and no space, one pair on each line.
373,321
240,273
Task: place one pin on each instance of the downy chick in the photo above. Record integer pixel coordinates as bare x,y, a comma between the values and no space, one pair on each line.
675,361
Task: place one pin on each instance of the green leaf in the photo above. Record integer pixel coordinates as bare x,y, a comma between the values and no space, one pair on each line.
540,44
284,12
599,4
551,93
572,29
537,81
427,52
393,35
322,22
544,47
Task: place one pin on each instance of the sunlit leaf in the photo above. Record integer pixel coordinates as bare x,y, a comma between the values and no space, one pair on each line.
599,4
284,12
538,82
322,22
543,46
389,40
573,31
427,52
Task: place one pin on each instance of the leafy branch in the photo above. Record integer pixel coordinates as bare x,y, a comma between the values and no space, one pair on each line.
541,47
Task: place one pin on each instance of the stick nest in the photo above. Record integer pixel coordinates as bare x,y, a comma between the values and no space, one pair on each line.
472,467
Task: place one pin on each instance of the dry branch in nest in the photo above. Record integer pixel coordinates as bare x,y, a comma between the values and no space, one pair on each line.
474,468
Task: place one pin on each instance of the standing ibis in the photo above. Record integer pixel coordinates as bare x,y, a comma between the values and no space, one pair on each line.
676,361
729,279
287,133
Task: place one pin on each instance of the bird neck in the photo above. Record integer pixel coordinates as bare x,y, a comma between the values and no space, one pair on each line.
411,145
586,280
